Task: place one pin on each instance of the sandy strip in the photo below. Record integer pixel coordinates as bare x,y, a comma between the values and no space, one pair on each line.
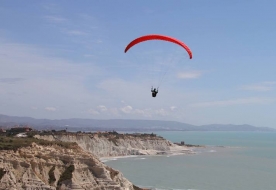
174,150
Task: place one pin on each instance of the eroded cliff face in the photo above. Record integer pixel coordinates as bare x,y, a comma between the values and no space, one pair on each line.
105,146
52,167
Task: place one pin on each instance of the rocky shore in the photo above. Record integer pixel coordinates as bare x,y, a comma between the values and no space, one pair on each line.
54,167
63,160
111,144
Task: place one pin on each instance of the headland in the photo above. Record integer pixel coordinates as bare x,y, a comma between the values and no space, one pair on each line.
45,160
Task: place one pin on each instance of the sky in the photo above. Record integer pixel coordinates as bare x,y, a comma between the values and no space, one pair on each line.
65,59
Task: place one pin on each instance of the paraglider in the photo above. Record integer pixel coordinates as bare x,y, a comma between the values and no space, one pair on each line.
154,92
158,37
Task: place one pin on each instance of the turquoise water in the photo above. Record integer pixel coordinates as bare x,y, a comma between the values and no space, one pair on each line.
247,162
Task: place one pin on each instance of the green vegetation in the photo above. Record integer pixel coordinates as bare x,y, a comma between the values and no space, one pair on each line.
31,134
14,143
67,174
107,134
9,142
51,174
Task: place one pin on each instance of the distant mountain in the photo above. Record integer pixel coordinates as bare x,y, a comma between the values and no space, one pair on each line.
75,124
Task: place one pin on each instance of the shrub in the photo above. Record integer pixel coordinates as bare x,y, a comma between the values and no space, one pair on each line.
51,174
67,174
2,173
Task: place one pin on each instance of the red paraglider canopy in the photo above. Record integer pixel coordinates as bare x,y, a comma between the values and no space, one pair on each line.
159,37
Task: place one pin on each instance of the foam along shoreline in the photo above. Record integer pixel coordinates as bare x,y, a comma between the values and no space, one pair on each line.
174,150
105,159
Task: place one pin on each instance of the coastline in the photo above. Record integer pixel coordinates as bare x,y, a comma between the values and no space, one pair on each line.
99,147
175,150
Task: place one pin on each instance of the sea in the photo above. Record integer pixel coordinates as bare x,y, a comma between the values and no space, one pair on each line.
230,161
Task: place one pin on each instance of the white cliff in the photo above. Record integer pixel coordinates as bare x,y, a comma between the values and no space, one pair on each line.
105,145
38,167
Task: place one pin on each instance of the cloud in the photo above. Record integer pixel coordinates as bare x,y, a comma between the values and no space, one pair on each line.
262,86
147,112
126,109
189,75
241,101
131,112
50,108
161,112
93,112
55,19
172,108
139,111
102,108
52,7
39,78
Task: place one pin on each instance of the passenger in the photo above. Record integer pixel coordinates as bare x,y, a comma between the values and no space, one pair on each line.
154,92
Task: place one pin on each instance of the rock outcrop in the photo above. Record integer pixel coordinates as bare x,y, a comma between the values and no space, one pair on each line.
40,167
112,145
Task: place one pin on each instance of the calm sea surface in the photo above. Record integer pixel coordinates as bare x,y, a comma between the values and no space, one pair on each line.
246,162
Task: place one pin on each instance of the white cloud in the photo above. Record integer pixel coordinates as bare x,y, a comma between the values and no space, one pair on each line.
189,75
130,111
93,112
172,108
262,86
126,109
50,108
144,112
139,112
33,76
51,7
55,19
250,100
161,112
102,108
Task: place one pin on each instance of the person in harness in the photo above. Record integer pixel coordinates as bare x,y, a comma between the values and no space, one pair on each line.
154,91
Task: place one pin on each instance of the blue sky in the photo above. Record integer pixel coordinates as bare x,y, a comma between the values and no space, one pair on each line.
65,59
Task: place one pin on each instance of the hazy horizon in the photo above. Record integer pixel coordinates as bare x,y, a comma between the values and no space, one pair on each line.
142,120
